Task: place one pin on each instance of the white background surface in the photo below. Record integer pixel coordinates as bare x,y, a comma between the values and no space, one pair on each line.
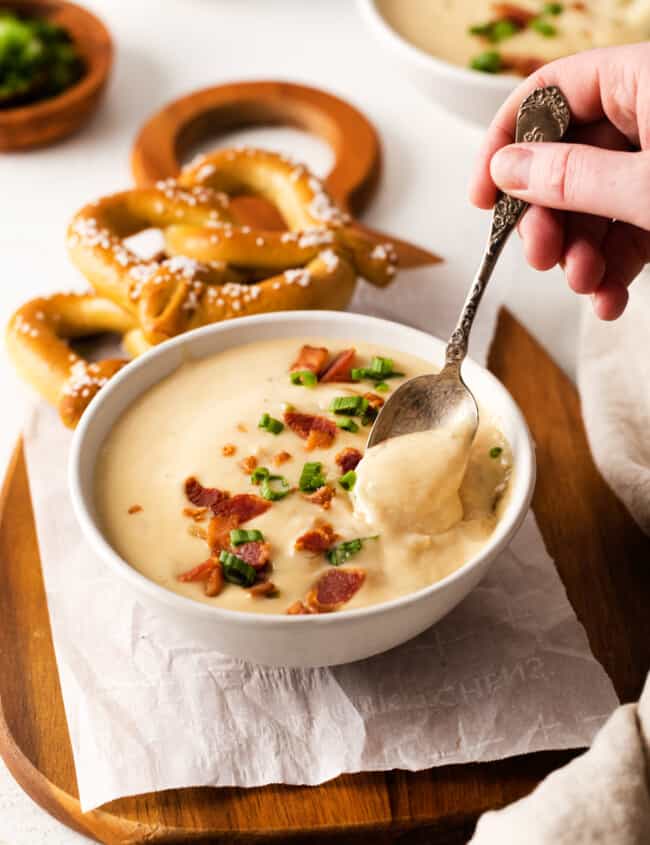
167,49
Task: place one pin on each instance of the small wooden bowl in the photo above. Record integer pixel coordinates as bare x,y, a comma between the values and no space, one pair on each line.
48,120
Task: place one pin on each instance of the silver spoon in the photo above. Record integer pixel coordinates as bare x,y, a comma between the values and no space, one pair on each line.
443,399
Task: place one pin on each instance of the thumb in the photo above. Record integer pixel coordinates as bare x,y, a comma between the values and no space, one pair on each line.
576,177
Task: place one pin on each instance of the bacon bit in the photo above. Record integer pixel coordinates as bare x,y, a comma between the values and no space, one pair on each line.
197,514
317,540
522,65
334,588
197,531
200,572
203,496
300,424
214,584
374,400
311,358
248,464
511,12
243,506
231,513
219,529
228,450
348,459
135,509
339,368
264,588
579,7
281,458
297,609
256,553
323,497
242,427
319,432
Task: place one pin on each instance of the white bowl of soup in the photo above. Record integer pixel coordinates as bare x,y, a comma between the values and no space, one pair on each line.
467,55
223,477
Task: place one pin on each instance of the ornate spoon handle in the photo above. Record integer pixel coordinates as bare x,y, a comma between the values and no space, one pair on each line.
543,116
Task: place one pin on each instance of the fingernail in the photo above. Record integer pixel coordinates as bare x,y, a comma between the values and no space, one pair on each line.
510,168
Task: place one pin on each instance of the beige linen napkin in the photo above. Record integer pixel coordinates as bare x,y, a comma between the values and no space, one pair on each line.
601,797
614,382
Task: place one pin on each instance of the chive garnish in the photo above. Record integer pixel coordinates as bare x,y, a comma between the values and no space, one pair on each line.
382,387
348,480
482,29
270,424
495,31
238,536
348,424
379,369
311,477
501,30
306,378
351,406
344,551
274,487
495,451
552,9
236,570
369,415
259,474
487,62
543,27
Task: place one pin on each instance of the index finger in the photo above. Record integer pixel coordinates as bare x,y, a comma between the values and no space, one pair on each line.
584,79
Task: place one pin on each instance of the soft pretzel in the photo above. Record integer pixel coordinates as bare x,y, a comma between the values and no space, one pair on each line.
36,340
214,268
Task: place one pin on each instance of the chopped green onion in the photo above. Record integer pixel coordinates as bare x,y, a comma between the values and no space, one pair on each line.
495,31
344,551
543,27
238,536
236,570
306,378
369,415
487,62
311,477
501,30
274,493
259,474
482,29
348,480
348,424
379,369
382,387
381,366
351,406
495,451
270,424
552,9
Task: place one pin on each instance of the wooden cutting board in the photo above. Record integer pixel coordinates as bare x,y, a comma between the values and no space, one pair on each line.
601,556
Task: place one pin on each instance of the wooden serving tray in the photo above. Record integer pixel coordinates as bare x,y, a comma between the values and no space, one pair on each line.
602,558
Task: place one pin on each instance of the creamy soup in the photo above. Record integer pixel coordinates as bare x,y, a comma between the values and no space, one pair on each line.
515,37
237,482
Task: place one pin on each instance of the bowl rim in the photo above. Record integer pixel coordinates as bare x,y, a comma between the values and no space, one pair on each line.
411,52
95,75
504,531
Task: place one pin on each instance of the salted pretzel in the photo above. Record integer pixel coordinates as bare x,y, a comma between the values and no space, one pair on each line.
214,268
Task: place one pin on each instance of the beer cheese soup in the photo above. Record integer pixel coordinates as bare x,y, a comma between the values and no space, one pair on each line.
515,37
240,480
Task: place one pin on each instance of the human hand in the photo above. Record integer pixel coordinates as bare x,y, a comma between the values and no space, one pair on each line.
590,198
